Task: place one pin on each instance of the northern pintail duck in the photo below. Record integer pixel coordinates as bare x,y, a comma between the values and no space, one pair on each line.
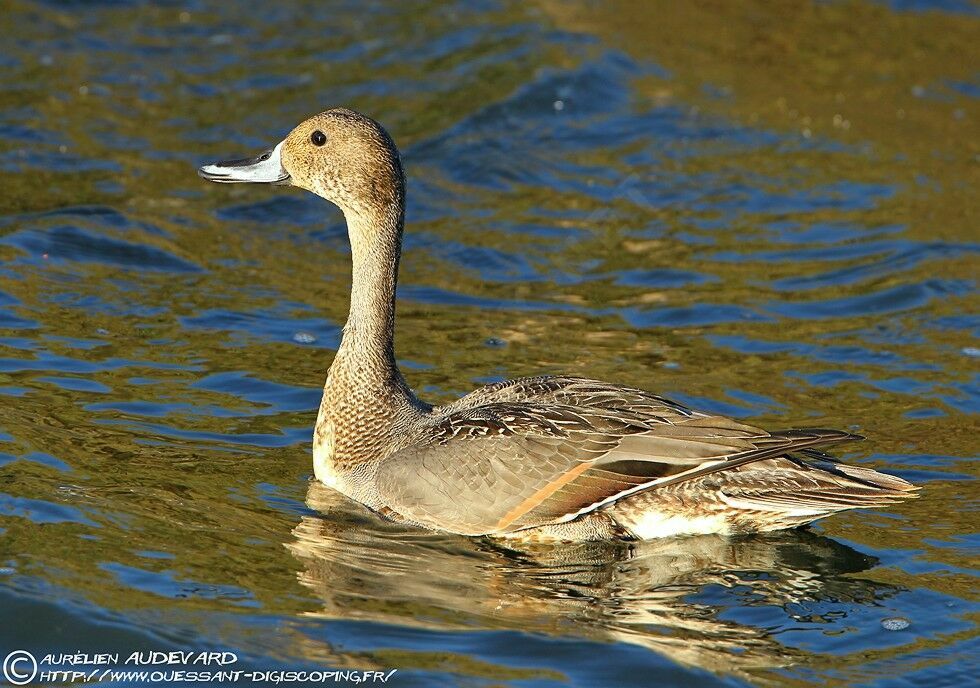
545,458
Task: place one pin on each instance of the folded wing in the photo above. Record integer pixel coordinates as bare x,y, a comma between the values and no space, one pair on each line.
548,450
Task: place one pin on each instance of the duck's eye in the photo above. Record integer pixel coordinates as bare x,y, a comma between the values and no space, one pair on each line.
318,138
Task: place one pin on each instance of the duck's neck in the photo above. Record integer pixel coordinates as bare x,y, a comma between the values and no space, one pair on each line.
366,358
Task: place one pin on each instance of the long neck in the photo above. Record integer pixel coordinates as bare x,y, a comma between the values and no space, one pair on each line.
376,249
366,358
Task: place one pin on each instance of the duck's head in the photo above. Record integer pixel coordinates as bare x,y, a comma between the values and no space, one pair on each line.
339,154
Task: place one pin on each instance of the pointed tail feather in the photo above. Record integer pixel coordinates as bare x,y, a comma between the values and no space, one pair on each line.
774,445
899,487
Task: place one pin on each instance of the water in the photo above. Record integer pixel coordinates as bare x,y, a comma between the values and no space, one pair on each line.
764,215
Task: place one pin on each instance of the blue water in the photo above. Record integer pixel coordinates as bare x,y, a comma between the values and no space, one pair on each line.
651,195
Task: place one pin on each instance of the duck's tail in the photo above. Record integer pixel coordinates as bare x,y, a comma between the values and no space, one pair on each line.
797,489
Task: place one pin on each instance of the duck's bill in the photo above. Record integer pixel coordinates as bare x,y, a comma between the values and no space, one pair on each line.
263,169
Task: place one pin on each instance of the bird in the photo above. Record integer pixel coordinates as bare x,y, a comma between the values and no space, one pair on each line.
539,459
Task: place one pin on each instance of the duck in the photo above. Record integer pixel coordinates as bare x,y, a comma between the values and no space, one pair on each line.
540,459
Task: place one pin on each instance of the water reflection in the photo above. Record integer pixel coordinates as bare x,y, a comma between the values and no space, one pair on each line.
673,597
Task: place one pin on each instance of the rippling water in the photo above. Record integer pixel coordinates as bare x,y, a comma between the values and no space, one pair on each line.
765,213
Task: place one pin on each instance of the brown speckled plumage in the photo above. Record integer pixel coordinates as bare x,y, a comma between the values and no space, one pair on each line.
544,458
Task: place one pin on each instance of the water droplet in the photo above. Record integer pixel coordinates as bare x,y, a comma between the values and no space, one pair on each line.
895,623
303,338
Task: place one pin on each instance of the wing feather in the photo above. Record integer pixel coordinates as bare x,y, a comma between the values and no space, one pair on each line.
543,450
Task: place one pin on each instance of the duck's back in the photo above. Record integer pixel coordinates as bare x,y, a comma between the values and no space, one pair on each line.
571,458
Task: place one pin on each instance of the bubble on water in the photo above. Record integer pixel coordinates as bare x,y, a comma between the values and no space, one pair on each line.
895,623
972,351
495,343
303,338
559,105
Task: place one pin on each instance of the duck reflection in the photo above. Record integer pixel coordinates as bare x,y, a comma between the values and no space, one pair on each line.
669,596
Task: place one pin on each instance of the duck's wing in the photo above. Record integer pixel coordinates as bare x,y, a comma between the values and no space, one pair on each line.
503,466
553,390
